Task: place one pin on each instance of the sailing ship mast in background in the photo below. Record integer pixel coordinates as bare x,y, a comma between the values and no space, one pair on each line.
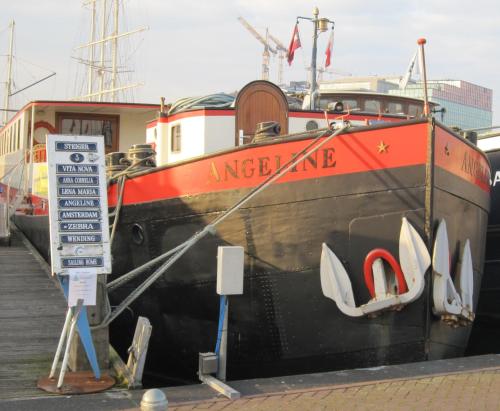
8,83
103,79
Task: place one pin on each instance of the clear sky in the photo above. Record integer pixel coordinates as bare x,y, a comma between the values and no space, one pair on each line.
196,47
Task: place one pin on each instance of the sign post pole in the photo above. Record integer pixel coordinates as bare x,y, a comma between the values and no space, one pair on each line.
79,239
62,339
64,365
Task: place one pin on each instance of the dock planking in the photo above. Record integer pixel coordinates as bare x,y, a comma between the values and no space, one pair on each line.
32,311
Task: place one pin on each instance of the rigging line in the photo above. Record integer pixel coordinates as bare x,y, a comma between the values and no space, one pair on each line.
30,63
180,250
33,84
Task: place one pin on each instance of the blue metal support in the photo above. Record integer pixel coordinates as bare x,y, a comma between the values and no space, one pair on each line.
83,331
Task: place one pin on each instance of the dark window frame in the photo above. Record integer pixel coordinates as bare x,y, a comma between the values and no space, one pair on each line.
175,138
115,142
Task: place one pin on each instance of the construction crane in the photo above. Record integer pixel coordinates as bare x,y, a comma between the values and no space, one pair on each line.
282,51
267,47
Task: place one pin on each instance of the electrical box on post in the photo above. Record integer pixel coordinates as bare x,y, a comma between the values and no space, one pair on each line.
230,263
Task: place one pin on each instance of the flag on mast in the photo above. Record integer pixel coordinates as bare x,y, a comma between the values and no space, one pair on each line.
294,44
329,49
404,81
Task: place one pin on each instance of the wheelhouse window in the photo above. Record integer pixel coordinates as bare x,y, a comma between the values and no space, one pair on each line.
349,104
372,106
414,110
18,134
91,125
395,108
175,142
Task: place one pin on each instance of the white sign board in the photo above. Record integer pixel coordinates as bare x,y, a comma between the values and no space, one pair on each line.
82,286
230,266
78,205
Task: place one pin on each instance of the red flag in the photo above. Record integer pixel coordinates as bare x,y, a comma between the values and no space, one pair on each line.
294,44
328,52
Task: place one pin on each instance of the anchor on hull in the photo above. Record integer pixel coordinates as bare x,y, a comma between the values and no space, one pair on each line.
409,275
414,262
452,306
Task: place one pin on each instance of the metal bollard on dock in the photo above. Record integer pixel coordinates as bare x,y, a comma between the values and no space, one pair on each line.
154,400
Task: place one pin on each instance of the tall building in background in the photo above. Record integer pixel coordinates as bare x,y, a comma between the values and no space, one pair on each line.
466,105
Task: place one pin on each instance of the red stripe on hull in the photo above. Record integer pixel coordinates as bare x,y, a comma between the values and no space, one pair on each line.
350,153
459,158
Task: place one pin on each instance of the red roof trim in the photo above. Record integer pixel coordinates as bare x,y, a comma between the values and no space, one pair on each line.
75,104
94,104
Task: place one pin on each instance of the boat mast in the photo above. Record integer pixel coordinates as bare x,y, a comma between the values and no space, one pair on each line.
312,91
112,54
320,26
8,83
114,51
103,45
90,84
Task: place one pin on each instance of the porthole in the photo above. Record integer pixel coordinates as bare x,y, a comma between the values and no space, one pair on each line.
137,234
311,125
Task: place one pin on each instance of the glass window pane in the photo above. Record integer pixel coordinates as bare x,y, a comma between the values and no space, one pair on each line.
349,104
91,125
414,110
395,108
372,106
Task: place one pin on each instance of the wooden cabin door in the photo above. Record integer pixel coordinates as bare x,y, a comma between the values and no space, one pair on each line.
257,102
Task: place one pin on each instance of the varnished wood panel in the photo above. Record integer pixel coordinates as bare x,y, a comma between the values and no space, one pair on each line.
257,102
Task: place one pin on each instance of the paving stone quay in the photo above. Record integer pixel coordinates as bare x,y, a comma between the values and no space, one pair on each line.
465,391
471,383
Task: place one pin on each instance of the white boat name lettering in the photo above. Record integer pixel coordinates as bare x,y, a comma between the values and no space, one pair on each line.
82,262
79,202
78,180
85,226
77,168
78,191
64,146
80,238
79,215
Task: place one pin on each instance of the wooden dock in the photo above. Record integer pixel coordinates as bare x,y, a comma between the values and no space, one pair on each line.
32,312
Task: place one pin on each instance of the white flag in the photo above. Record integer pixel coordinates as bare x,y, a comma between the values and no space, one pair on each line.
404,81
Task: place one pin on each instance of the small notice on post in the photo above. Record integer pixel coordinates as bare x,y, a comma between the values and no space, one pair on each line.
82,287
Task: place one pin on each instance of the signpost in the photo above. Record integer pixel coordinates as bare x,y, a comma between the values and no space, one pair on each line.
78,203
79,232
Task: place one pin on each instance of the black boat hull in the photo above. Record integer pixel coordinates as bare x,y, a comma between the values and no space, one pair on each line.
283,324
486,329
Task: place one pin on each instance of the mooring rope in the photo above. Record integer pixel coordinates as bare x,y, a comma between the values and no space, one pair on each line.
210,228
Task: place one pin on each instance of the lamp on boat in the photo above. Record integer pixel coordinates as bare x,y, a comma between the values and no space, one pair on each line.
320,25
323,24
336,106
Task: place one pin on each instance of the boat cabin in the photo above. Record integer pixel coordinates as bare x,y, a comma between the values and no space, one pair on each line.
208,125
121,124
